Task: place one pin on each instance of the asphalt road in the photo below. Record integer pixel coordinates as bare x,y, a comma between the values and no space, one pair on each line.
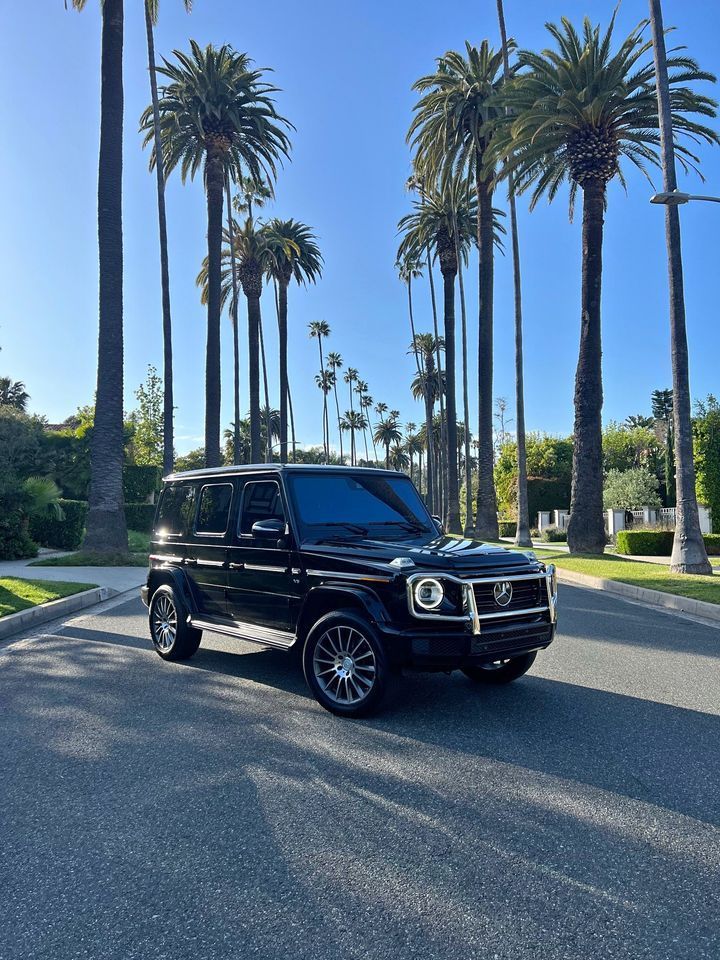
214,810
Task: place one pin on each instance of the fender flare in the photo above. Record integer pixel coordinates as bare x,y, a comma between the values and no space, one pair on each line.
366,597
177,579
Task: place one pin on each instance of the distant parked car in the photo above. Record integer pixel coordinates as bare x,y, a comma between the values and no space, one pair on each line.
347,566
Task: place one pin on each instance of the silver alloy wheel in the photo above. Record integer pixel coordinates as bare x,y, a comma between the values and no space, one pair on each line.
494,665
164,623
344,665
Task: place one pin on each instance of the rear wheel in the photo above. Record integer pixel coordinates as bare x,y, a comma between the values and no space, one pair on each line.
171,635
501,671
345,665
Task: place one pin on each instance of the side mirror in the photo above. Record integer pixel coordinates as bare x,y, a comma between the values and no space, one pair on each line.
271,529
439,524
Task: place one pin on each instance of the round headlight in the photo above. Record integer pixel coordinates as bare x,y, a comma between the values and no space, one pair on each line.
429,593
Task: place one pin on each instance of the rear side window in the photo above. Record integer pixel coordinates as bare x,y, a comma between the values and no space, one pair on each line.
261,501
214,509
176,510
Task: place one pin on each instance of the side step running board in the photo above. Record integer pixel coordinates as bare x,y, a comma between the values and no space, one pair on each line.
252,633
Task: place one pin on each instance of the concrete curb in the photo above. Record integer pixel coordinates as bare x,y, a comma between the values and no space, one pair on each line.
654,598
53,610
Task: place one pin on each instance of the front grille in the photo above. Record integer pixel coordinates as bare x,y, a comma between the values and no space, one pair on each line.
526,594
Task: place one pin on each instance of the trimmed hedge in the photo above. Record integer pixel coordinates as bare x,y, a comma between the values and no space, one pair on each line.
140,516
507,528
547,494
140,482
553,535
15,544
64,534
657,543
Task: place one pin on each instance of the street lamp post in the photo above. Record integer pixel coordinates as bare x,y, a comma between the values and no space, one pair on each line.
674,198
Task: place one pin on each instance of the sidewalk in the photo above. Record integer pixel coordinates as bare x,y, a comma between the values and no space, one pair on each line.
563,548
118,579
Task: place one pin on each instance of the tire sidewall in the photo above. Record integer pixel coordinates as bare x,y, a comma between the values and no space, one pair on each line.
186,640
350,619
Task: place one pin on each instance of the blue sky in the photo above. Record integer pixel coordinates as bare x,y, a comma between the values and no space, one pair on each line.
345,71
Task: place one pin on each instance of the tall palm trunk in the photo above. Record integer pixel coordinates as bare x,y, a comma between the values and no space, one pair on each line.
168,440
214,178
337,410
287,392
268,437
439,502
486,523
326,439
253,309
466,402
452,514
688,553
106,529
426,385
292,421
282,336
586,529
236,333
387,456
522,535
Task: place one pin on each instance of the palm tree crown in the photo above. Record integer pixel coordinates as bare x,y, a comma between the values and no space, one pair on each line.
576,111
216,105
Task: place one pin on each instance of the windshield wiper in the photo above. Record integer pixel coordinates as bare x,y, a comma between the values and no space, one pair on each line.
352,527
405,524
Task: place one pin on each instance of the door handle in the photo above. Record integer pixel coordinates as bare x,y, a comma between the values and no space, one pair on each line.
236,566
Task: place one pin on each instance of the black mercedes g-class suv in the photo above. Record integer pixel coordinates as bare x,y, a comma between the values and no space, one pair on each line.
347,566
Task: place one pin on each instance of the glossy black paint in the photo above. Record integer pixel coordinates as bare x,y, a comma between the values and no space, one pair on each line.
265,584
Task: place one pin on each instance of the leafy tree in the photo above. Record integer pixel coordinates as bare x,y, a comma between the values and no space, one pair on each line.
218,113
148,421
630,489
573,113
706,434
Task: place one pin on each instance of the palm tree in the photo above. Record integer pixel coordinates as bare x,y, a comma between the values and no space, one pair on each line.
399,459
573,113
366,404
427,386
387,433
216,112
361,389
335,362
151,15
522,532
292,253
105,527
350,378
270,426
326,382
13,394
688,554
445,222
320,329
451,132
353,421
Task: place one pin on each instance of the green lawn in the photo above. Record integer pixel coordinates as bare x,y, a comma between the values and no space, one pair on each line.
17,594
653,576
138,542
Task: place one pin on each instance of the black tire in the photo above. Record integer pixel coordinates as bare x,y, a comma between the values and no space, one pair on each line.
171,635
346,643
501,671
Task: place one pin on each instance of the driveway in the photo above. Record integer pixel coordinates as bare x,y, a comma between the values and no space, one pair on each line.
214,810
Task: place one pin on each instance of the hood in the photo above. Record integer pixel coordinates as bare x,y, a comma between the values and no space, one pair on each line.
464,557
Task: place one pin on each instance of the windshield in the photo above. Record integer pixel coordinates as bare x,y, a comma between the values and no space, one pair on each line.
359,505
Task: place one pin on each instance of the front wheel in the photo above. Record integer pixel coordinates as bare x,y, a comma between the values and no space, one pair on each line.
171,635
345,665
501,671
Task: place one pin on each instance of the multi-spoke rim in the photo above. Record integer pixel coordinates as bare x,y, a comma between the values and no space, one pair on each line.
344,665
494,665
164,621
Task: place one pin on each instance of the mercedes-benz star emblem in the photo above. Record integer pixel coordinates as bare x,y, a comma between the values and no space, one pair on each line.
502,591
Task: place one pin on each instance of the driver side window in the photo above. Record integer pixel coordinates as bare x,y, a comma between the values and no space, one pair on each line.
261,500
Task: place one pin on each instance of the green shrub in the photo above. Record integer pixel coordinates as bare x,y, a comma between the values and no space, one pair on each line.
507,528
65,534
140,482
15,543
553,535
712,544
140,516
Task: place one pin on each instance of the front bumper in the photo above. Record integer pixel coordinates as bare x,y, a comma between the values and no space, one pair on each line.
454,649
144,593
